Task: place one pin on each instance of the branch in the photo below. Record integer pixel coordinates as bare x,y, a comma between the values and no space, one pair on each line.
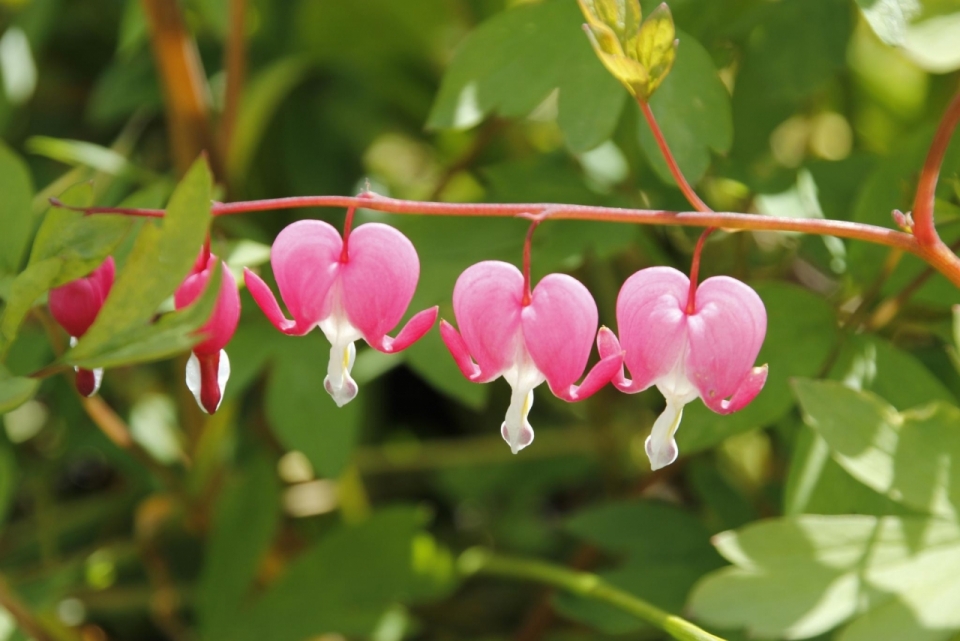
28,623
924,227
944,261
236,66
184,84
585,584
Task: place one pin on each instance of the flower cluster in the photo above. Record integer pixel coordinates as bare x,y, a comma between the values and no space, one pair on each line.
75,307
690,341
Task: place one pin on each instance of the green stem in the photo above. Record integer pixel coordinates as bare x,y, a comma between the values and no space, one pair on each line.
590,586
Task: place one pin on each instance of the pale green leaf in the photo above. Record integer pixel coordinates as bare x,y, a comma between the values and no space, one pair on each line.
794,578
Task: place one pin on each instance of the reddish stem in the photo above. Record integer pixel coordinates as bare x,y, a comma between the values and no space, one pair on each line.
678,176
695,270
527,290
347,225
944,261
924,227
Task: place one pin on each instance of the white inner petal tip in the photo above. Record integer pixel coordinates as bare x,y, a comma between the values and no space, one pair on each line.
194,381
661,447
338,383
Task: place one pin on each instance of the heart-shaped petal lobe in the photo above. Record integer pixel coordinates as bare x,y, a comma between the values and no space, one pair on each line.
306,260
725,334
222,324
652,323
378,281
559,327
487,300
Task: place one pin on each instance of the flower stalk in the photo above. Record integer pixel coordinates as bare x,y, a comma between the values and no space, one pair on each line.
478,561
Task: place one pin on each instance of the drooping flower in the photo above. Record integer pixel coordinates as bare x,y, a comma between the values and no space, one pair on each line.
546,336
359,288
209,366
75,306
704,350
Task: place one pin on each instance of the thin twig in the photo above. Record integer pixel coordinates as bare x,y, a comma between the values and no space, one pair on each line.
672,164
28,623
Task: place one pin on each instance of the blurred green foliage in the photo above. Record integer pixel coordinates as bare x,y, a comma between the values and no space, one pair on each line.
826,509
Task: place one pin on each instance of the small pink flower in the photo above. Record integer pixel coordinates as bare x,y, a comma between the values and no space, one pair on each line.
547,337
75,306
209,366
707,351
356,290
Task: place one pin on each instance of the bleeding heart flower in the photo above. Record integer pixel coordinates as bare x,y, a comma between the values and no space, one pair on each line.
359,288
75,306
547,335
209,366
705,349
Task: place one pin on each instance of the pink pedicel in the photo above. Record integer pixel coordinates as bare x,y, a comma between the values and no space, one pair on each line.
209,366
548,339
359,288
707,351
75,306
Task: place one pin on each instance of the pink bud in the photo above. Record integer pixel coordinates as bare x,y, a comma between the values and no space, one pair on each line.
547,340
209,367
75,307
708,353
359,293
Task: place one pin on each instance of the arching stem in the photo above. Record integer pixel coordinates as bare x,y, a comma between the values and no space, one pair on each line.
528,241
695,270
924,228
678,176
347,226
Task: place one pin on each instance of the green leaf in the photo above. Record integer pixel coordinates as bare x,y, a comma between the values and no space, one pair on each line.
801,332
16,218
302,414
931,41
895,578
163,255
666,551
511,64
431,360
15,391
246,518
905,456
86,154
889,18
173,334
345,583
692,108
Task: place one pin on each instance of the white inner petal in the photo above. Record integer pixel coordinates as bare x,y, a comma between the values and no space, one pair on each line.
677,389
194,380
522,376
342,335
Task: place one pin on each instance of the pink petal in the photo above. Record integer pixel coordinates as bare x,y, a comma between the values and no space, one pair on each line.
599,375
487,303
271,308
413,331
306,261
222,324
725,333
559,326
378,281
75,305
460,352
608,345
652,324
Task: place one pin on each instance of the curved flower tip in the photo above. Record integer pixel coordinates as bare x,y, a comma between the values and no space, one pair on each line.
708,352
353,292
208,368
75,307
549,339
